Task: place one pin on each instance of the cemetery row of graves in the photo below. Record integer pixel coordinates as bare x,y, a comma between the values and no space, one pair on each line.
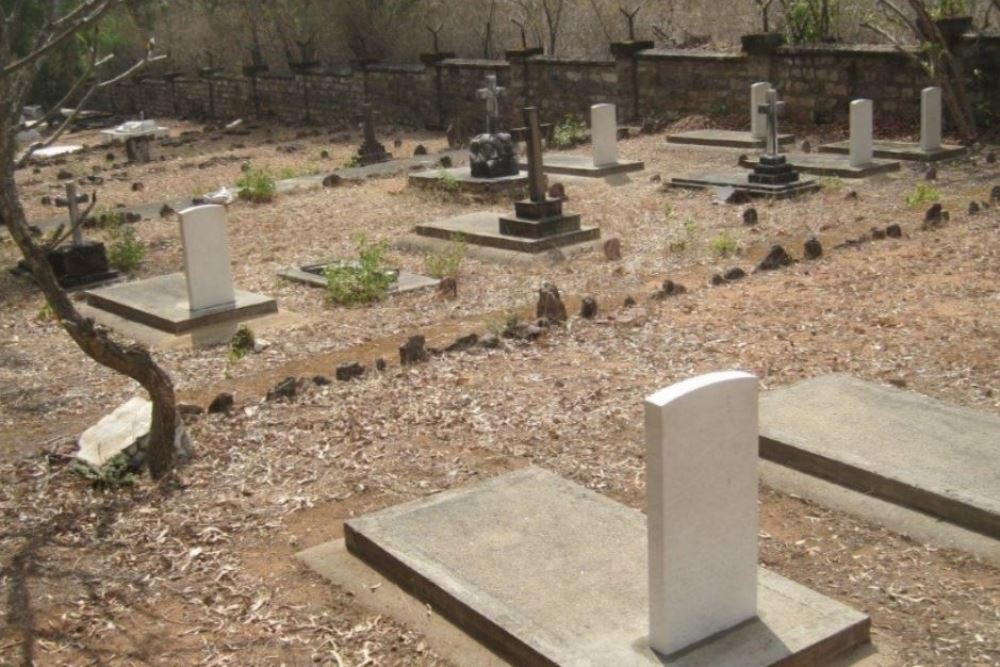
527,345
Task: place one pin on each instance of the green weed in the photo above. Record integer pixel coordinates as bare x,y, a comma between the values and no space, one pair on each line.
257,186
361,282
446,262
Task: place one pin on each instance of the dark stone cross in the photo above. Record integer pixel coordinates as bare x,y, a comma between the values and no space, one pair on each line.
773,110
371,150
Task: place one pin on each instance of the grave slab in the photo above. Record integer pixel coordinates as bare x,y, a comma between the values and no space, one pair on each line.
583,166
513,185
897,445
545,572
899,150
483,229
312,274
726,138
741,181
162,303
831,165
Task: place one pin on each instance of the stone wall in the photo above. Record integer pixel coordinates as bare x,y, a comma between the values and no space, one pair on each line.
817,82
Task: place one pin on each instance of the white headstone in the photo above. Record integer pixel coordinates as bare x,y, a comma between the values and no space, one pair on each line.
758,120
701,481
862,133
206,258
930,119
604,134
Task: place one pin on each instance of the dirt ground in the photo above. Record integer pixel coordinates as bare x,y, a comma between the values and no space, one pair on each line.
200,571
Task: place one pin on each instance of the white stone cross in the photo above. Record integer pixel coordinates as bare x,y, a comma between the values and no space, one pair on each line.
772,109
604,134
492,94
862,133
206,258
758,119
701,489
930,119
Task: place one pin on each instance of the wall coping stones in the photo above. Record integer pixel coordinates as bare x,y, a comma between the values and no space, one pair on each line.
689,54
475,63
406,68
574,62
880,50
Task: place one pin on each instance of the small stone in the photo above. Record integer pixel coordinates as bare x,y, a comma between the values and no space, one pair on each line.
550,305
138,186
813,249
629,302
166,211
332,180
351,371
321,380
669,288
991,158
655,178
931,173
221,403
65,175
132,217
46,201
934,217
397,142
750,216
806,146
324,155
877,234
445,161
489,341
973,208
189,410
531,332
413,351
851,195
420,150
558,191
717,280
287,388
463,343
110,157
259,345
776,258
613,249
734,274
381,365
588,308
448,288
894,231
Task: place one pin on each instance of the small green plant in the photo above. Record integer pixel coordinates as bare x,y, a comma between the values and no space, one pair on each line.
724,245
923,194
832,183
107,219
241,344
690,232
45,313
949,9
570,132
257,186
125,249
115,474
446,262
812,21
353,161
449,183
503,326
361,282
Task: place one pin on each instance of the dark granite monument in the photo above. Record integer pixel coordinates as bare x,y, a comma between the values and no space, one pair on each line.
491,154
371,151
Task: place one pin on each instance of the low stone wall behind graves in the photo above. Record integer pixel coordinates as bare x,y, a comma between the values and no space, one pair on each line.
817,82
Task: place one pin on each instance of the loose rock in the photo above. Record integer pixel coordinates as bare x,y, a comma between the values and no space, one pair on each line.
221,403
420,150
973,208
669,288
931,174
448,288
613,249
557,191
750,216
351,371
894,231
463,343
734,274
332,180
166,211
812,249
550,305
776,258
588,308
413,351
287,388
489,341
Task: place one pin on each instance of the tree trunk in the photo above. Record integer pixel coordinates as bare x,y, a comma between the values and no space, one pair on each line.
133,360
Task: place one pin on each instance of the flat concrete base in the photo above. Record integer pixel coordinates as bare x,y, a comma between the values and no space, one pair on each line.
162,303
545,572
832,165
899,150
465,182
583,166
312,274
893,444
739,180
726,139
484,229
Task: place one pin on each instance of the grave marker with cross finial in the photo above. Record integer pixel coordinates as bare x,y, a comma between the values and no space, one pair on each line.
772,109
492,94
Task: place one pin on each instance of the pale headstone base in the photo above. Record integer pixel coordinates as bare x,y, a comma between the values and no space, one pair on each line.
313,274
583,166
832,165
726,139
741,181
547,572
899,150
484,229
465,182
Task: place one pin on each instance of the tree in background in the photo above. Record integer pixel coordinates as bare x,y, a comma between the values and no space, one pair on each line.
31,33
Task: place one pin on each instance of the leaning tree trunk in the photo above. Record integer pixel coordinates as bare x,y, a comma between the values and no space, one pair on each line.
134,361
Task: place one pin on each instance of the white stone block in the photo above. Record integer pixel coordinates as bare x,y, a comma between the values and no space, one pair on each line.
930,119
604,134
206,258
116,432
862,133
701,480
758,120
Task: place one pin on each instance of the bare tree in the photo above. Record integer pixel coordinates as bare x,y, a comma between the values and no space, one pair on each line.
764,6
938,61
549,12
486,33
25,43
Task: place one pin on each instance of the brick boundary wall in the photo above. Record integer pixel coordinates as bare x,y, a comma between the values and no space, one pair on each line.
817,82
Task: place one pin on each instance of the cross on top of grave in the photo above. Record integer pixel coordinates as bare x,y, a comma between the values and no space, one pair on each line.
533,139
492,94
773,167
772,109
371,150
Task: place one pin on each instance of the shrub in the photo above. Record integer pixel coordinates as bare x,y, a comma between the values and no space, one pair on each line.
570,132
923,194
809,21
446,262
449,183
257,186
125,250
361,282
725,245
241,344
115,474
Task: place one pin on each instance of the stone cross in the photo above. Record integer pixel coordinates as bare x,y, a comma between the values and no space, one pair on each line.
701,489
206,258
533,140
773,109
492,94
369,125
930,119
862,150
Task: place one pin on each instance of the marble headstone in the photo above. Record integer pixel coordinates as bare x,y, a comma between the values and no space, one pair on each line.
862,133
604,134
758,120
206,258
930,119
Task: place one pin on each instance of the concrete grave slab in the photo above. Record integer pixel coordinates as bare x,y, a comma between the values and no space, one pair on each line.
584,167
899,150
832,165
466,182
546,572
726,138
484,229
313,274
162,303
898,445
741,181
